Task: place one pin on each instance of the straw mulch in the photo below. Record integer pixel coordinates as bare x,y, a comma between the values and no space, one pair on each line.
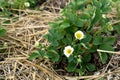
20,42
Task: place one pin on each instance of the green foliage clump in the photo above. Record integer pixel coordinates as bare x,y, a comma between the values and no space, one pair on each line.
2,31
9,7
74,37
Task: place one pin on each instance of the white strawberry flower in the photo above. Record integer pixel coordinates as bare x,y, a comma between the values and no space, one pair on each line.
79,35
68,51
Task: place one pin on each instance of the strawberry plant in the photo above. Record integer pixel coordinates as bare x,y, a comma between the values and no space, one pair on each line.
74,37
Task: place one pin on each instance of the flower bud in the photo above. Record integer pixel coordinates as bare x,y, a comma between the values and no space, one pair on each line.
27,4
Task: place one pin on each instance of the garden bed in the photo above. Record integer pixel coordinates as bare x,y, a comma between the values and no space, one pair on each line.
22,35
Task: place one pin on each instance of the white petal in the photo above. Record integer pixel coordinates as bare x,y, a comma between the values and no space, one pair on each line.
66,48
79,32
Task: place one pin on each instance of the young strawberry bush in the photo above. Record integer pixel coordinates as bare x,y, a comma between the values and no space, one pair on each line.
9,7
74,37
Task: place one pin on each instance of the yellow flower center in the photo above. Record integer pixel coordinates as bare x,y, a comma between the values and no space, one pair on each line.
68,51
78,35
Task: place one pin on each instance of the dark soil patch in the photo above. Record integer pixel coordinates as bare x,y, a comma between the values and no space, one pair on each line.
117,45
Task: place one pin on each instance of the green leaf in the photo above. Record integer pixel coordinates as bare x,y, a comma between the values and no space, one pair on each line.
67,39
106,47
65,25
53,24
103,57
79,22
87,57
117,28
106,6
70,59
2,31
97,16
97,40
54,43
7,22
85,45
102,79
104,2
71,66
93,49
78,49
85,15
97,3
35,54
91,67
71,16
106,9
109,40
54,36
95,19
53,55
82,69
87,38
